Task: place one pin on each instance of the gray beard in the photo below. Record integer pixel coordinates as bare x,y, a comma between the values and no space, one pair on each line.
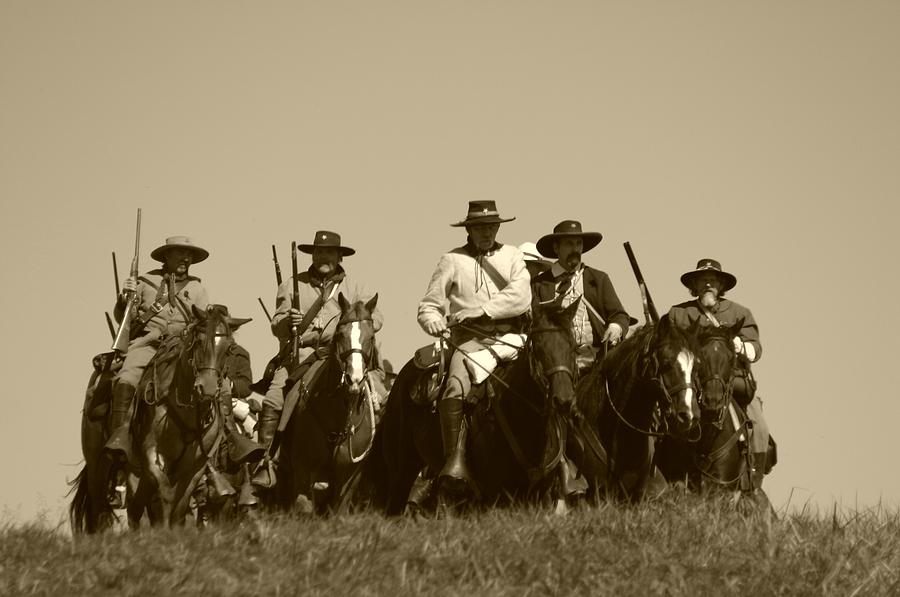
708,299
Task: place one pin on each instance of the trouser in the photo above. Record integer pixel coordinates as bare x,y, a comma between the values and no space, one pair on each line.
274,397
139,354
458,381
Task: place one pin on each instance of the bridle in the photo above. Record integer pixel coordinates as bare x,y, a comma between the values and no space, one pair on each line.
544,375
727,386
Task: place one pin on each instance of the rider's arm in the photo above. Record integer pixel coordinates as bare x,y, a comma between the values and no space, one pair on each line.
515,298
432,307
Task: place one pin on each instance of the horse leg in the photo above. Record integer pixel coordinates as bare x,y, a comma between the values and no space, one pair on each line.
187,474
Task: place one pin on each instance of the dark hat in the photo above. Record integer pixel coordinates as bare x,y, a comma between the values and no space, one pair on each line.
180,242
705,266
326,239
566,229
482,212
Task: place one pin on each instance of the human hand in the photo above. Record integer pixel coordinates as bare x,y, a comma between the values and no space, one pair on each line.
466,314
130,284
613,334
436,328
240,409
295,316
738,345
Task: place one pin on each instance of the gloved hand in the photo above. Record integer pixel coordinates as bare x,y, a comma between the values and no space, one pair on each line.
613,334
254,403
240,409
738,345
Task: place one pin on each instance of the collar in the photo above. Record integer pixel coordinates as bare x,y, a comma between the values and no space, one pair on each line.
316,279
557,270
162,273
721,305
475,252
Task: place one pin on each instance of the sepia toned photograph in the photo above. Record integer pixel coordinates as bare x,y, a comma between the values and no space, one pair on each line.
450,298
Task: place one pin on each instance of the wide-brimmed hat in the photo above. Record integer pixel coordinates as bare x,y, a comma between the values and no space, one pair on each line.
706,266
326,239
568,229
482,212
180,242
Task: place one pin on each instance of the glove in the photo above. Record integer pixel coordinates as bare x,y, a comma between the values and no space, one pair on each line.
240,409
612,334
738,345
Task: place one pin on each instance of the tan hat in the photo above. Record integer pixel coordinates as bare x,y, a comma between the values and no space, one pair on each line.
180,242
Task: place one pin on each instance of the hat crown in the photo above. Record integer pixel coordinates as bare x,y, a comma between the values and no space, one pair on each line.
568,227
709,264
480,209
327,238
180,241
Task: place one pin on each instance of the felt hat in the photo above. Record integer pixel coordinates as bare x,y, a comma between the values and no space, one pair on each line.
180,242
568,229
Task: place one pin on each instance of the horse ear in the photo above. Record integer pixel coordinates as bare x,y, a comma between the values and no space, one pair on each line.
199,314
236,322
569,312
370,306
342,301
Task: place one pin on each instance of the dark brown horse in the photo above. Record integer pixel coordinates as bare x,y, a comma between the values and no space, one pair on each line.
178,423
330,432
90,510
644,389
516,434
720,460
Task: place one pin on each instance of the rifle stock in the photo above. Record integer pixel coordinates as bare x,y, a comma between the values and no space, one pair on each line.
120,343
650,313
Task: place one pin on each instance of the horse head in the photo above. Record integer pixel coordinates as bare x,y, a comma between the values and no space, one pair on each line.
210,338
716,370
674,370
354,341
553,352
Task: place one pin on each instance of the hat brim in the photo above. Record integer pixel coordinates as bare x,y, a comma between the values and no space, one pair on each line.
728,280
482,220
199,254
345,251
589,240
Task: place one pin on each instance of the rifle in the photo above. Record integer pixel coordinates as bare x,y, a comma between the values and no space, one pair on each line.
266,311
295,303
650,314
277,268
120,343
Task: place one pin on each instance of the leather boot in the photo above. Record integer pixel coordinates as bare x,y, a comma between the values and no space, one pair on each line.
421,489
453,435
119,443
267,426
240,447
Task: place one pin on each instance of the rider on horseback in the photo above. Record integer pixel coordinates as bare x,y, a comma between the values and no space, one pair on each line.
708,283
318,290
600,316
163,299
486,284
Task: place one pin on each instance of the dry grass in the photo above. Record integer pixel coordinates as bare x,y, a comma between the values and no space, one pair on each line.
676,546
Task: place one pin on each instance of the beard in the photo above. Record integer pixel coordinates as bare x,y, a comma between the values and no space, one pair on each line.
571,261
325,269
709,297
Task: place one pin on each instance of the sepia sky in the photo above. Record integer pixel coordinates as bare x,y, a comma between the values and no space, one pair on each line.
765,135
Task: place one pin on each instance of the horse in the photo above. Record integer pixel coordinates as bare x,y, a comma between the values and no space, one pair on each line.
330,431
516,430
643,389
720,461
178,423
90,510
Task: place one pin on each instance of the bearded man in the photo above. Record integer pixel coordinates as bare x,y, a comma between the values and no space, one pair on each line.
708,284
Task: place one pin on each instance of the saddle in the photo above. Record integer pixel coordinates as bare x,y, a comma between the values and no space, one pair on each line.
98,396
160,371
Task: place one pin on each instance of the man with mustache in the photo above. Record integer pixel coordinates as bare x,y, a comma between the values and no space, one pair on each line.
600,317
318,288
708,284
164,298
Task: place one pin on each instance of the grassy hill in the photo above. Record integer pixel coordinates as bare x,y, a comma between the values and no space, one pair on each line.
676,546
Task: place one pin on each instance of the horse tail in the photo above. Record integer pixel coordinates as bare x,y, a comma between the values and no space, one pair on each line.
80,510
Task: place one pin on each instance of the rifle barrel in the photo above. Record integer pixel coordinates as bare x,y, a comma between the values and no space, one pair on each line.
277,267
266,311
116,275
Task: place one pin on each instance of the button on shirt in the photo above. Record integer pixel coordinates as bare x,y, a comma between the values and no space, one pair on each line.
570,286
